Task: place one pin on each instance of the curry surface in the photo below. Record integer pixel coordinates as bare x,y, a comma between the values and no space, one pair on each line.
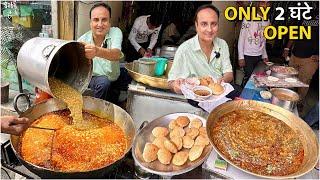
258,142
68,149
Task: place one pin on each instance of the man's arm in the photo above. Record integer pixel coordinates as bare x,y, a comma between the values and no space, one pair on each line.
287,49
228,77
154,38
133,34
113,50
226,64
241,40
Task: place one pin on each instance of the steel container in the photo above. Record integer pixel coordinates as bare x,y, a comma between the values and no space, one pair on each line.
288,104
168,51
41,58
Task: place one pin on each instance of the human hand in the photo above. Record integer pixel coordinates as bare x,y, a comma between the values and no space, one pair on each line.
90,51
265,60
149,51
142,51
177,85
315,58
13,125
285,53
241,63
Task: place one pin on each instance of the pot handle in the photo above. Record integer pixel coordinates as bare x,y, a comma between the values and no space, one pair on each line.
48,50
143,124
15,102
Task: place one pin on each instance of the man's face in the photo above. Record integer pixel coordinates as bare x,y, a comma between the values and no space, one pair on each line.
207,24
100,21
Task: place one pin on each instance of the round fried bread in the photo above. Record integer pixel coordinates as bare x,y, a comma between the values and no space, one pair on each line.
202,140
187,142
173,124
195,152
203,131
216,88
159,142
196,123
170,146
178,131
150,152
160,131
177,141
183,121
180,158
192,132
164,156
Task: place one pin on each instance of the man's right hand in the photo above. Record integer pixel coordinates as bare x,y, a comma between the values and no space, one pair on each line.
13,125
241,62
142,51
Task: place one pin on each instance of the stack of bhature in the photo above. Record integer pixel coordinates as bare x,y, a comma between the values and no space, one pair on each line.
183,139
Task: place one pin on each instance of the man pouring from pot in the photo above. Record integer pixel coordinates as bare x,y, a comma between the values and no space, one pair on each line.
204,54
103,46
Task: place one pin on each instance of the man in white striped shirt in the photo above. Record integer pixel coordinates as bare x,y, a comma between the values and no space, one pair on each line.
143,27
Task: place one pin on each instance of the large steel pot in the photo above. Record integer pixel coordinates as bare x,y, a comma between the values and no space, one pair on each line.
168,51
96,106
41,58
288,104
305,133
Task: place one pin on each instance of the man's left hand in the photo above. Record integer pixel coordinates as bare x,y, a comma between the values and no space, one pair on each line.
149,51
315,58
90,51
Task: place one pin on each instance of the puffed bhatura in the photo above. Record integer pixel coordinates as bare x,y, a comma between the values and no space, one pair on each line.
187,142
202,140
170,146
159,142
160,131
195,152
196,123
180,158
177,141
203,131
178,131
183,121
173,124
164,156
192,132
150,152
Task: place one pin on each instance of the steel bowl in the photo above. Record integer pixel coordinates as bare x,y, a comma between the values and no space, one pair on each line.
288,104
155,167
305,133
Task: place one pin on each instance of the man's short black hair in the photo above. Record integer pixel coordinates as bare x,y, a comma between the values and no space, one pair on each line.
154,20
205,6
101,4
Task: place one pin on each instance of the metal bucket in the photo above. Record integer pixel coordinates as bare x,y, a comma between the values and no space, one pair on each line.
41,58
168,51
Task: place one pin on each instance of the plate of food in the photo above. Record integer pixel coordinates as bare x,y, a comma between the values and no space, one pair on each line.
172,144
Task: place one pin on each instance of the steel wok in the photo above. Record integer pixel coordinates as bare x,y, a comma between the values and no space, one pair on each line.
95,106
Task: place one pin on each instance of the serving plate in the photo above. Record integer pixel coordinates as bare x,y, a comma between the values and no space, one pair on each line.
155,167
